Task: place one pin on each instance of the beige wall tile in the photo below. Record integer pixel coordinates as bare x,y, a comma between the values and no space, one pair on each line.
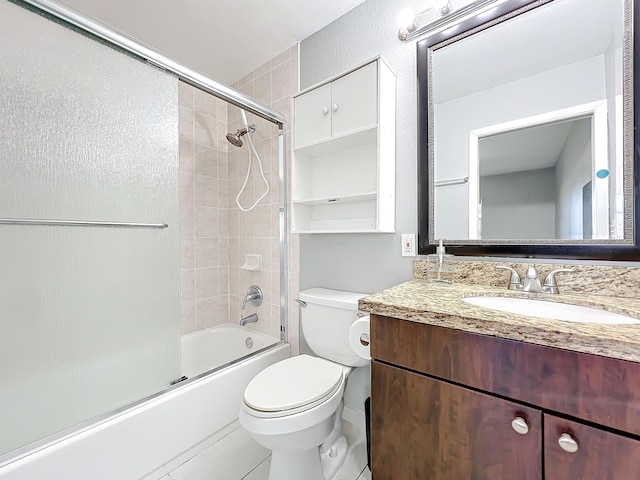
206,191
187,286
281,81
206,221
262,220
223,223
223,110
206,252
262,88
205,103
185,122
206,161
263,247
187,216
187,248
207,312
187,196
223,252
187,157
206,283
223,196
205,130
185,95
223,281
282,57
248,78
223,165
247,221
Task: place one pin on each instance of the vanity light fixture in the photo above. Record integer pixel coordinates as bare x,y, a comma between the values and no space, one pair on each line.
447,16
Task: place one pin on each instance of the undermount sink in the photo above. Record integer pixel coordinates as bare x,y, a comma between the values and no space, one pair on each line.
552,310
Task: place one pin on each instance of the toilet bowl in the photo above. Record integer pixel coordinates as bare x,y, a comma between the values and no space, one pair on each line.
294,407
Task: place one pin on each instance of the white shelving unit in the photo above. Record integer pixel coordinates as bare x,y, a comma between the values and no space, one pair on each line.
343,167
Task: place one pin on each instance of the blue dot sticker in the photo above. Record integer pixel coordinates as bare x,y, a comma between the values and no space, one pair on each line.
604,173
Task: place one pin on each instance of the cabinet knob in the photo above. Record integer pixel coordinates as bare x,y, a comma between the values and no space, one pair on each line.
335,107
567,443
325,110
519,424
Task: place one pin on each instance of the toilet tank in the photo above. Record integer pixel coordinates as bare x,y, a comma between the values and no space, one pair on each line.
326,320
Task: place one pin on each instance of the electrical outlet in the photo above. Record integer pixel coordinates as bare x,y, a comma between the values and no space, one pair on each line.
408,244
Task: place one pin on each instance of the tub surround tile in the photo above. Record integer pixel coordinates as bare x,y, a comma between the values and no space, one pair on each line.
206,161
185,95
212,215
187,157
205,103
442,305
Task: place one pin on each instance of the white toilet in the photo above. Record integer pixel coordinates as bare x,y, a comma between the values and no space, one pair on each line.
294,407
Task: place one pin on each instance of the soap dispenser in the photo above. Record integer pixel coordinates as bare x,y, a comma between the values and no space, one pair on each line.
440,266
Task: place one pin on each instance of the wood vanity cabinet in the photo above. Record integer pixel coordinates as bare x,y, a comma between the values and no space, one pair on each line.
453,405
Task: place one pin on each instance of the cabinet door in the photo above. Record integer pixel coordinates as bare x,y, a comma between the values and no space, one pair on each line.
600,455
354,100
426,429
312,116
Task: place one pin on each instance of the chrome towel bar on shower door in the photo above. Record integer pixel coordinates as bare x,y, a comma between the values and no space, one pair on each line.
77,223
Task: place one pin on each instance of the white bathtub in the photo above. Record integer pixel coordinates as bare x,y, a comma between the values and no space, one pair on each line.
214,347
142,440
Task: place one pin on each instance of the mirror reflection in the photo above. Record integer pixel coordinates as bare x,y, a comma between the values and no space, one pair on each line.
527,122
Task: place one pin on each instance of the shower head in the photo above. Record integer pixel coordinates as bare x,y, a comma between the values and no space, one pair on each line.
235,138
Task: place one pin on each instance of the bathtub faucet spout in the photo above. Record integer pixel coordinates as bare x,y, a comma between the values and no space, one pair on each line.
253,318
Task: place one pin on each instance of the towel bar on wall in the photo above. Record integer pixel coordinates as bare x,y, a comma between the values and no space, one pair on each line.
77,223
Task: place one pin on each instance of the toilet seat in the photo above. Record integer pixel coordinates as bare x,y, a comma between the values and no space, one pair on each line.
292,386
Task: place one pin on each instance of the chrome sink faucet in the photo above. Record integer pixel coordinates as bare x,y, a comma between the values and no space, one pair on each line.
532,283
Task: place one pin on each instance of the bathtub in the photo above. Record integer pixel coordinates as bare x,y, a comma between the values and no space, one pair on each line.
215,347
142,440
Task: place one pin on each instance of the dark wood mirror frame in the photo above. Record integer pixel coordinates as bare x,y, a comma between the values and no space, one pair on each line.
593,251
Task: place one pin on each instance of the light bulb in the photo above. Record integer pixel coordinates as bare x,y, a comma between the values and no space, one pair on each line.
443,6
406,18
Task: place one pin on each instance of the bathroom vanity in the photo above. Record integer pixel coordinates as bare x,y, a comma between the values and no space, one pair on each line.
464,392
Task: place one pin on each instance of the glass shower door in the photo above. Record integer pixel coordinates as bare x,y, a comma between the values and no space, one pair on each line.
89,314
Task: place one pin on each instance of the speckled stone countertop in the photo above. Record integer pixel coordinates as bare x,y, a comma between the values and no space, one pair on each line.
442,305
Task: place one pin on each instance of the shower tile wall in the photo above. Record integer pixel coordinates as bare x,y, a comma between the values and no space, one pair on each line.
203,210
216,234
273,84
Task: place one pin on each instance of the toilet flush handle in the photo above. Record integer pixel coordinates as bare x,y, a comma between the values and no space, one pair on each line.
301,302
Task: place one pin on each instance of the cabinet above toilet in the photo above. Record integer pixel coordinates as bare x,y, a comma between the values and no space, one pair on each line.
343,166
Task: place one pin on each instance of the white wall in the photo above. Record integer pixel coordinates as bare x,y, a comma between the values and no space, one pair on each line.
366,262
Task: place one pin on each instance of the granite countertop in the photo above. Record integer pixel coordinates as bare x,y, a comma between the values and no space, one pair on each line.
441,305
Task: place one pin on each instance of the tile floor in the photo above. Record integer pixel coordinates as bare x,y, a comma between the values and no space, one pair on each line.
354,468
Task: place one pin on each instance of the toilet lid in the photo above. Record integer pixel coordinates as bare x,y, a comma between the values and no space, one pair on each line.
293,383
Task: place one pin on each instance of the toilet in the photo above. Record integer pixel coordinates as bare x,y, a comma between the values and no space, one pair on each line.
294,407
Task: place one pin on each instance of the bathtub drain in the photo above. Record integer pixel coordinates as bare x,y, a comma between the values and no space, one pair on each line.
248,342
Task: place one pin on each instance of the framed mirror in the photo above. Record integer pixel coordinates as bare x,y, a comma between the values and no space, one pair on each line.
526,132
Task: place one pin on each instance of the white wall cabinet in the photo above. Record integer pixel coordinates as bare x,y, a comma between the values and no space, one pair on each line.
343,168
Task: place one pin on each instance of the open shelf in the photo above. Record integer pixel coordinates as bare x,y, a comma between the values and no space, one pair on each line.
356,197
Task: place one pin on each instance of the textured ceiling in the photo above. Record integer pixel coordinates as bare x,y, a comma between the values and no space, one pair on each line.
224,39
